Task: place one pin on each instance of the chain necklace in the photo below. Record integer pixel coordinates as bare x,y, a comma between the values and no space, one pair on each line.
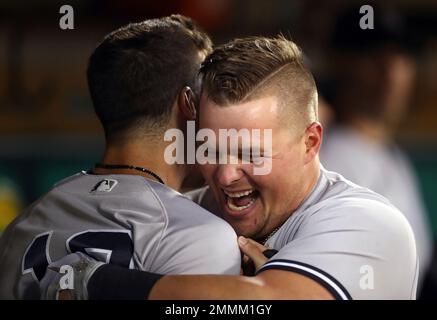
126,166
271,235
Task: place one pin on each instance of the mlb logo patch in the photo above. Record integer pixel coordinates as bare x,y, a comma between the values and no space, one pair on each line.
105,185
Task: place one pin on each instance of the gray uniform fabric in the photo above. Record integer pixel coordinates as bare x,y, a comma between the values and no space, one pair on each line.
347,238
122,219
386,170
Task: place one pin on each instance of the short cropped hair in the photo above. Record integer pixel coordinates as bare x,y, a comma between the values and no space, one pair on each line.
137,71
248,68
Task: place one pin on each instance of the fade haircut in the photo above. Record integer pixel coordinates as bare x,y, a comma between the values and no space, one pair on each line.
137,71
250,68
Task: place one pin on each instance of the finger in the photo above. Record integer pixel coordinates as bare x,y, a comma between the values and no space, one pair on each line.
248,266
257,244
253,250
246,259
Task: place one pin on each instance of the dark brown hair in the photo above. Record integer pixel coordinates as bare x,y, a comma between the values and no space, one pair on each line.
137,71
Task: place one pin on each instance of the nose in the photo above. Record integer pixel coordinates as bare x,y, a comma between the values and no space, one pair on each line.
227,174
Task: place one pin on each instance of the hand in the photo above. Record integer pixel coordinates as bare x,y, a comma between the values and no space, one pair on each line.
83,268
253,258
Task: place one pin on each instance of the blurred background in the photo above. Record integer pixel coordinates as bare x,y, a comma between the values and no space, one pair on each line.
377,87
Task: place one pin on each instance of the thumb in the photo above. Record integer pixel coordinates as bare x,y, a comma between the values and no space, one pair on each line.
253,250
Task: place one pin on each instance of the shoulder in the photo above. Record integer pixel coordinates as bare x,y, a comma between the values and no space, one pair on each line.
195,241
204,198
69,179
197,195
340,242
340,192
187,206
358,208
187,217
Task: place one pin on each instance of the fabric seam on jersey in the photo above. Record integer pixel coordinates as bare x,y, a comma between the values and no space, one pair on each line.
166,219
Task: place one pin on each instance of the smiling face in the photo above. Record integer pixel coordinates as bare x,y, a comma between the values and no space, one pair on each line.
261,83
256,204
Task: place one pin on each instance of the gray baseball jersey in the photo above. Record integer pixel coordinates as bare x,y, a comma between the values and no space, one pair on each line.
349,239
121,219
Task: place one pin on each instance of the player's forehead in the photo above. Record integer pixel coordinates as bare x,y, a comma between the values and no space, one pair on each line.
260,112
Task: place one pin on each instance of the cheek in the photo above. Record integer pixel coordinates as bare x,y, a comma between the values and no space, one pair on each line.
207,171
283,168
284,173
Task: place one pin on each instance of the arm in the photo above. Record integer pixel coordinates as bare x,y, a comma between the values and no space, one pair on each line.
327,253
113,282
270,284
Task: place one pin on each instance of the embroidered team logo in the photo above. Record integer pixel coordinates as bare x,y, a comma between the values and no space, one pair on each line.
105,185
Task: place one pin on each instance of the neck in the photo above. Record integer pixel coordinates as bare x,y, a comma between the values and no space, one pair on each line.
311,178
146,155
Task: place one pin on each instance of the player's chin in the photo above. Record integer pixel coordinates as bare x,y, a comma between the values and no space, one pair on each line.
247,227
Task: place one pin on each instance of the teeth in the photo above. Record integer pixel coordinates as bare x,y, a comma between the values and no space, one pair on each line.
236,208
238,194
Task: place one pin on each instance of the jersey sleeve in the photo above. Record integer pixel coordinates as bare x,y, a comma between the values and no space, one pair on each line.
203,248
361,250
196,242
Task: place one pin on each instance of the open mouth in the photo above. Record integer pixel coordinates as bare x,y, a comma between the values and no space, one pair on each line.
241,200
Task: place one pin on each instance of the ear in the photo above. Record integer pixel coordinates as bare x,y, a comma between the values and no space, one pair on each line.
313,141
187,103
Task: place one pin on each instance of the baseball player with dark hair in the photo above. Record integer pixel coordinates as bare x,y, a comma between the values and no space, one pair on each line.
127,211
